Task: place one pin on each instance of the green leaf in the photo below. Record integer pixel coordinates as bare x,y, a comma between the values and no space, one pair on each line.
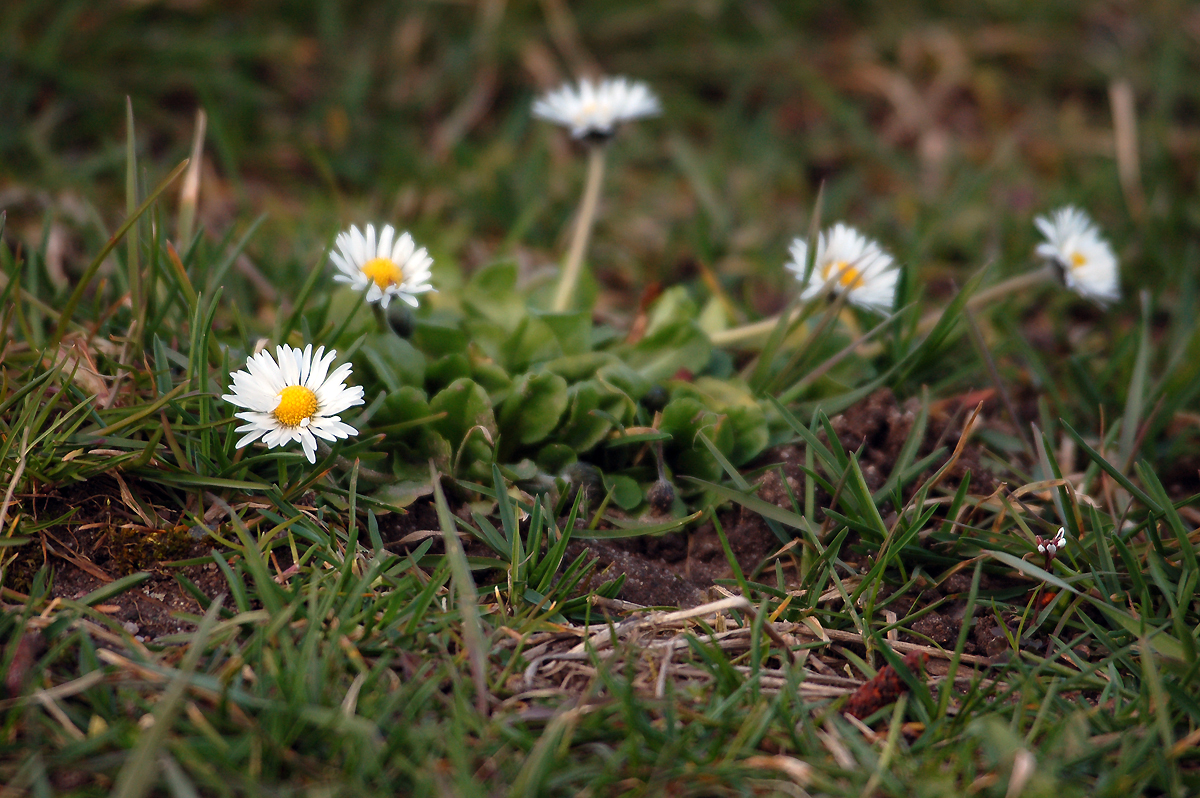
84,281
492,377
414,452
533,409
448,368
931,352
403,493
572,330
583,429
115,588
531,342
751,502
404,404
573,368
625,490
623,530
1029,569
554,457
1161,642
1154,487
438,338
1135,395
343,302
733,399
673,340
683,419
623,378
491,294
185,479
395,361
682,345
1111,470
466,405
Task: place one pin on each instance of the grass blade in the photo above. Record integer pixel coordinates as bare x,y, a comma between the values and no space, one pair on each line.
138,774
465,592
68,309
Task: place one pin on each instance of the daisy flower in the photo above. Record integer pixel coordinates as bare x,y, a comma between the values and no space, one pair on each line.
858,267
595,109
384,268
296,399
1083,258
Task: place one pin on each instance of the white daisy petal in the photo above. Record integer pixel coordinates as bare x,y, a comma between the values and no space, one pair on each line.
1084,258
387,268
320,369
309,444
403,251
345,400
358,246
852,264
596,109
385,240
293,398
332,430
254,432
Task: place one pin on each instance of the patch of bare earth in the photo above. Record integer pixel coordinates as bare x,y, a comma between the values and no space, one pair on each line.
107,537
679,569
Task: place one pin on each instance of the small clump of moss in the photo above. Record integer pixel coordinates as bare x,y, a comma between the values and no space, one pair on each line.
132,549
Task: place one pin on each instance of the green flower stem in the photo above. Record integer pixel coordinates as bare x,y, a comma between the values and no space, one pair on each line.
362,297
1021,282
748,332
583,229
1012,285
381,318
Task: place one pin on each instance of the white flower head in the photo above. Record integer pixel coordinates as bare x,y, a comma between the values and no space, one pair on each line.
385,267
296,399
596,109
1053,546
1083,257
858,267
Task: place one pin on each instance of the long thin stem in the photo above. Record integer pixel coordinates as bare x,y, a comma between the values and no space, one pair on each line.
748,332
1010,286
381,319
583,230
758,329
358,303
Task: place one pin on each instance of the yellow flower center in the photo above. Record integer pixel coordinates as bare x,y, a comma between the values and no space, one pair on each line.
848,276
296,404
1077,260
383,272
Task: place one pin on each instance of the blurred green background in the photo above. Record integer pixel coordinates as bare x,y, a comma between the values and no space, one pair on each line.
939,128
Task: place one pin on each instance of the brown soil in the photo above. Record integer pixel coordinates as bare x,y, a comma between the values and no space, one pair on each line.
113,540
108,538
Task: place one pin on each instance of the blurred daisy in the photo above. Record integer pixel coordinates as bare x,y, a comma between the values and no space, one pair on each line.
384,268
858,267
1083,258
595,109
296,399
